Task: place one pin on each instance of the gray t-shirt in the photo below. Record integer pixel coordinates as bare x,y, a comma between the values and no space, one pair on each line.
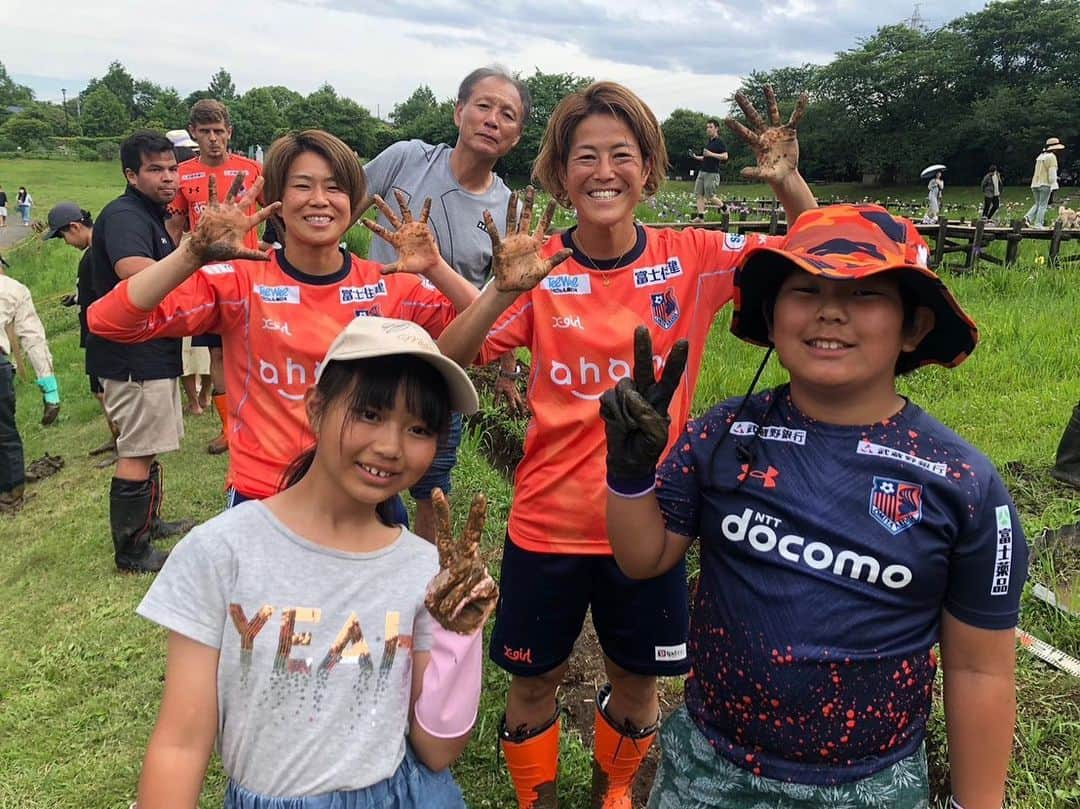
315,665
421,170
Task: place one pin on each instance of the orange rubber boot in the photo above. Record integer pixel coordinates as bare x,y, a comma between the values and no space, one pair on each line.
617,756
221,443
533,761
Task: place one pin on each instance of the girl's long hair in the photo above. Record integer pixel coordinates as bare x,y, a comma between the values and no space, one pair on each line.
373,384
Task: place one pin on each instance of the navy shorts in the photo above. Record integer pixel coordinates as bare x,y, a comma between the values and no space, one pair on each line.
95,385
206,341
438,474
642,625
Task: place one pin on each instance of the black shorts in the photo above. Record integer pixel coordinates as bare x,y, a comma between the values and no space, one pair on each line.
95,385
206,341
641,625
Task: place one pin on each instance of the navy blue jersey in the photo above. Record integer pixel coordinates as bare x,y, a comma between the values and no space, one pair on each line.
827,554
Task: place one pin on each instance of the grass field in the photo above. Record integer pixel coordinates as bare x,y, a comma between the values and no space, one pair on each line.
80,675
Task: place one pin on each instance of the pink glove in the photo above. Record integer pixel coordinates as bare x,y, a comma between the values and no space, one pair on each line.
450,693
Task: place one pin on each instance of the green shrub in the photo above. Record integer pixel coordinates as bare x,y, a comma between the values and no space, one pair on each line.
86,153
108,150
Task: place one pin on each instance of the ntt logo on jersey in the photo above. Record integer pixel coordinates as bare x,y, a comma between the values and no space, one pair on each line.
368,292
567,285
278,294
764,534
734,241
197,175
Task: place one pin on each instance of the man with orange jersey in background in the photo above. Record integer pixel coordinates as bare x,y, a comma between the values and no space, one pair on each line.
209,125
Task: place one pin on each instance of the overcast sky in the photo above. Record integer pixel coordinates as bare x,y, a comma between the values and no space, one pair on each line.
674,54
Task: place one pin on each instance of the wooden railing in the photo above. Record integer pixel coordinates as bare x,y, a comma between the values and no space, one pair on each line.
970,239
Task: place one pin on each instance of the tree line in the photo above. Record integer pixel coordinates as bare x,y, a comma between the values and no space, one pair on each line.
987,87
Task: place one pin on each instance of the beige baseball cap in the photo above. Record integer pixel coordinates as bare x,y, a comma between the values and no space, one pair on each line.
367,337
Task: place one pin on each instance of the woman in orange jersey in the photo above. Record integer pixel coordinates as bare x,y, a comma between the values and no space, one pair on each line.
602,153
277,312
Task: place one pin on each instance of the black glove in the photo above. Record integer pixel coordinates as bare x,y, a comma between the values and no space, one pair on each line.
69,300
635,412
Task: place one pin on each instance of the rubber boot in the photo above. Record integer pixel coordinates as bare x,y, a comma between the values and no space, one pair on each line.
129,517
221,443
617,756
1067,466
532,758
13,500
159,528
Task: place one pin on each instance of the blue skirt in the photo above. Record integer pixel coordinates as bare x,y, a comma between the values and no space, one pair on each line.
411,785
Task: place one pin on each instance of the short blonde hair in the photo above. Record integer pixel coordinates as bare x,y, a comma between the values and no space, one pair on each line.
343,163
599,98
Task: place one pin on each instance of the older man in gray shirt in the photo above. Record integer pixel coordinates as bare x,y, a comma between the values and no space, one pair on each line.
490,114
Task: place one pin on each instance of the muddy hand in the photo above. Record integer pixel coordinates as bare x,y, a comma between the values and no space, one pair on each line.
516,262
775,145
462,594
222,226
411,238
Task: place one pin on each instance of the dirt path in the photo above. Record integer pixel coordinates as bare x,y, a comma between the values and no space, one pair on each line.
14,232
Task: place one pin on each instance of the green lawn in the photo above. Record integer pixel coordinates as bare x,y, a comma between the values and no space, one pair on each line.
80,675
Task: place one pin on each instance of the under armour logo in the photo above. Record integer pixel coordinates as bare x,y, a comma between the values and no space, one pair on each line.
767,478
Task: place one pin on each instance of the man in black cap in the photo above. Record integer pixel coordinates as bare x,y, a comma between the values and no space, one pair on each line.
73,224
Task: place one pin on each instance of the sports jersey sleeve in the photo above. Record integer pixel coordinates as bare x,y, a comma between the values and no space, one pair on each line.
380,171
989,563
719,253
211,300
677,483
189,595
427,307
513,329
180,204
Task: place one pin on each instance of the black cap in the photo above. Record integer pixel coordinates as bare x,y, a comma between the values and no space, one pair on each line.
62,215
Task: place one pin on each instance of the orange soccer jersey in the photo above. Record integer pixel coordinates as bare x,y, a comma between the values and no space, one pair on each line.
194,191
579,325
276,324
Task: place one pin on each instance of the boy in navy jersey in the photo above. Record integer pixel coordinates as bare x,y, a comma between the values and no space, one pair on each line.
844,532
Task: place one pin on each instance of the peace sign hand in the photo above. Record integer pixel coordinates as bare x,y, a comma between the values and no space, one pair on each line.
775,145
219,236
462,594
411,238
515,259
635,411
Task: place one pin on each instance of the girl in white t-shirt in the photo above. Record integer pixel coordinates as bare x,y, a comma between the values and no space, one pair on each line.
333,658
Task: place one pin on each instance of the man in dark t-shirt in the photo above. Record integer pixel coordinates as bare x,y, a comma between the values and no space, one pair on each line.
140,382
74,225
708,177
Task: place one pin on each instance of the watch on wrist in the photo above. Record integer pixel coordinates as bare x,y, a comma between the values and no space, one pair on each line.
515,374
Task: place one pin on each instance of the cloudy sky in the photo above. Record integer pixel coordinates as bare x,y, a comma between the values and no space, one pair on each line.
674,54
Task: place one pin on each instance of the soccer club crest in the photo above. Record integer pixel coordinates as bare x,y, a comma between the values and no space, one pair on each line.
665,308
896,504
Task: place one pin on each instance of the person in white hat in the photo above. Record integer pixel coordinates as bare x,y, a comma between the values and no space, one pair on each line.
1043,180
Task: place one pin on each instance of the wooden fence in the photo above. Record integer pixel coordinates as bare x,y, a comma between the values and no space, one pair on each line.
970,239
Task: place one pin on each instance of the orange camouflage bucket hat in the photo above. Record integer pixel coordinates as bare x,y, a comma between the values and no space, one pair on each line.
845,242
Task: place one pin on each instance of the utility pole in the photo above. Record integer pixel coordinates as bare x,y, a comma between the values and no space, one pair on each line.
63,93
